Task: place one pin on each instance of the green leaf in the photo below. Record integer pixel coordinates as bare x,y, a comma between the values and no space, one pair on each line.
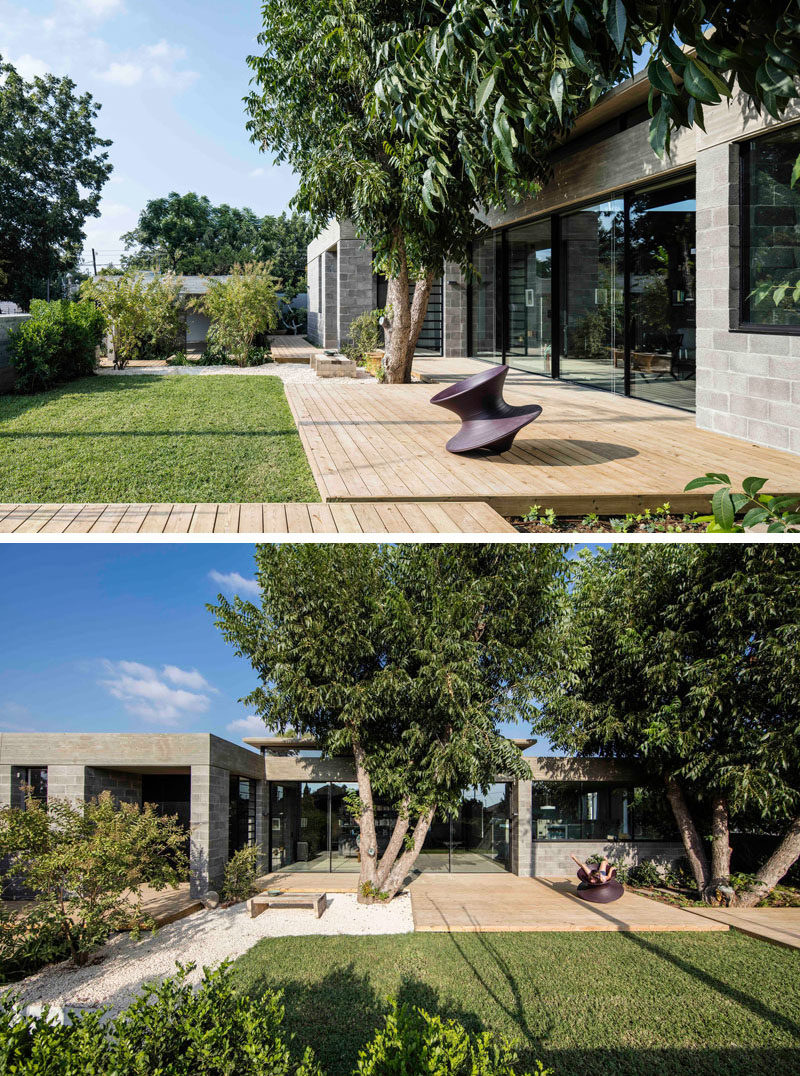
709,479
719,85
752,485
779,293
657,135
698,85
660,77
617,22
722,507
484,91
796,171
755,516
557,91
776,528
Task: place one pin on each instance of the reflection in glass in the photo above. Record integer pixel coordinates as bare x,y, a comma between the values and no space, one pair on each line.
592,283
241,813
772,257
599,811
662,289
481,832
486,343
529,292
299,826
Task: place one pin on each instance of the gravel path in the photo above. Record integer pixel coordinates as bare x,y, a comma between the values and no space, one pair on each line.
288,372
208,937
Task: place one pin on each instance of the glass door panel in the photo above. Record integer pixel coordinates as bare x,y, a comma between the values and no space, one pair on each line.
529,296
662,281
485,315
299,826
481,832
345,853
592,289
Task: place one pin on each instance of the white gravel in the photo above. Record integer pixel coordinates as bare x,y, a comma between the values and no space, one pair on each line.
288,372
121,967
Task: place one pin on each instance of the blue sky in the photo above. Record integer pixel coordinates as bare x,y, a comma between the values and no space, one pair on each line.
117,638
170,77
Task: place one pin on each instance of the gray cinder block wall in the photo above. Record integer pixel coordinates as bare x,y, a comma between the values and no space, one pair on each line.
551,859
125,787
748,383
355,283
8,322
454,295
208,852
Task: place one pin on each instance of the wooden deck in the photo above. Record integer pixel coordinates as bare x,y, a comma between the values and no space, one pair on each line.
291,349
450,517
456,903
589,451
778,925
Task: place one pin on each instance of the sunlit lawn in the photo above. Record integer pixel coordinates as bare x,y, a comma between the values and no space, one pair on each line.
671,1004
152,439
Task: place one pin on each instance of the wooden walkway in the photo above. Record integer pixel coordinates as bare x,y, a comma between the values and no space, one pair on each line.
430,517
291,349
778,925
589,451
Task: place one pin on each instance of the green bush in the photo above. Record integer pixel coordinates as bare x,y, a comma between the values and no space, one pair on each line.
56,344
413,1041
258,356
364,336
179,359
239,881
27,945
646,874
169,1029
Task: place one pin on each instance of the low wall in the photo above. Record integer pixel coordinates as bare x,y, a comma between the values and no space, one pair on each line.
550,859
7,323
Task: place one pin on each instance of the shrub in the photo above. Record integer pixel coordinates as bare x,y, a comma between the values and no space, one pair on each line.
364,336
56,344
144,316
26,946
240,308
413,1041
178,359
239,880
85,863
169,1028
259,356
646,874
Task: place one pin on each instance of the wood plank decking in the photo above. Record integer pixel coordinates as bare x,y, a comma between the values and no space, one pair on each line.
589,451
451,517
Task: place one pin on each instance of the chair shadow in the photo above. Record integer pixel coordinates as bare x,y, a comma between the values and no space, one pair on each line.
557,452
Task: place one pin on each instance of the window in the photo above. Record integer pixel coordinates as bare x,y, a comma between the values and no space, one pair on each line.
24,778
241,814
599,811
770,219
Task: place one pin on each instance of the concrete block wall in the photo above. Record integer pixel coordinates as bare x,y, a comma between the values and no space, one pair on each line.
314,278
748,384
66,782
355,282
454,329
521,829
330,299
551,859
8,322
208,851
124,787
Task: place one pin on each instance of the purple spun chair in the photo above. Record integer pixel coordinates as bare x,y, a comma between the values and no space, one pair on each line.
599,894
487,421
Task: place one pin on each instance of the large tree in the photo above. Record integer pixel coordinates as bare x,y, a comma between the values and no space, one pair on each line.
314,106
186,233
406,658
687,658
53,166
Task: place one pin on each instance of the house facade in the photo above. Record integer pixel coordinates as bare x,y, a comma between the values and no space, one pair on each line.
283,796
629,273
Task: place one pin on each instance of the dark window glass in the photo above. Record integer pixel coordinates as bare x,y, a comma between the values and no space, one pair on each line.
299,826
170,793
486,308
530,345
662,294
26,779
771,219
581,811
241,814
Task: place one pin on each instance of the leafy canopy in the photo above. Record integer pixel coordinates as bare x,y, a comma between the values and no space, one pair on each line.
144,315
416,653
520,74
240,307
687,657
189,235
53,167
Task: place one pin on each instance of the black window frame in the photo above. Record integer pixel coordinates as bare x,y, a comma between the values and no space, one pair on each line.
743,325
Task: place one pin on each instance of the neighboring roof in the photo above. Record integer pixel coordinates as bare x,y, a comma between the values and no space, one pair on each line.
190,285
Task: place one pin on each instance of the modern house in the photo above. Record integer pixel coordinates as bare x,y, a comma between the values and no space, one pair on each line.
291,802
627,273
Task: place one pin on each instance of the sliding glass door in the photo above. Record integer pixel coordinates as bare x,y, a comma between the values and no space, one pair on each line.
486,306
530,343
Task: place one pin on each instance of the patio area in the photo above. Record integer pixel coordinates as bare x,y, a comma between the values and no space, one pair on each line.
458,903
590,451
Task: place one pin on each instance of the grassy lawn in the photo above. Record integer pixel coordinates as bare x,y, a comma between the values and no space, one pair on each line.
153,439
586,1004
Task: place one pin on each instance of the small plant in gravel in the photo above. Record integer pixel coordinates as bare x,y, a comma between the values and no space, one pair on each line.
545,517
84,864
170,1028
239,880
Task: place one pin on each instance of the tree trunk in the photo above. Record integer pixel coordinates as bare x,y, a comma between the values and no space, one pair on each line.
688,831
720,854
367,838
405,320
395,877
782,859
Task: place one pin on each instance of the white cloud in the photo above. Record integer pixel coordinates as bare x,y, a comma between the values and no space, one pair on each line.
145,692
251,725
28,66
256,173
127,74
234,583
96,9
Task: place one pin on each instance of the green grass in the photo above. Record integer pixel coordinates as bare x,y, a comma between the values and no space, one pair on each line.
586,1004
153,439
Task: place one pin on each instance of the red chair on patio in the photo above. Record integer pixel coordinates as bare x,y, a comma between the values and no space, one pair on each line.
487,421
